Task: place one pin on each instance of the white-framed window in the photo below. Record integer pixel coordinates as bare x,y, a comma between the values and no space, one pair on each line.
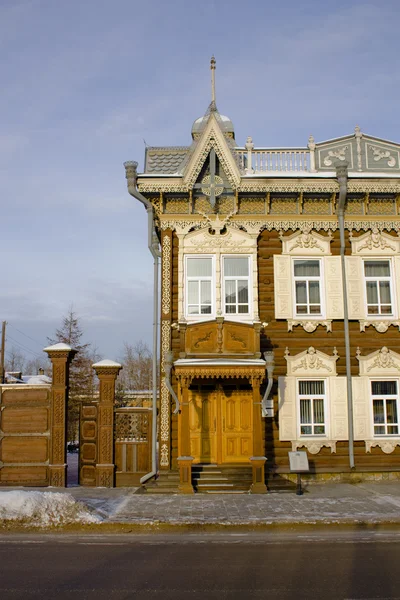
312,407
236,285
199,285
378,287
307,287
385,405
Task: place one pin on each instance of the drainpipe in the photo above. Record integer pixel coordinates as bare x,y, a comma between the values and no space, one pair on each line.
169,357
153,245
341,174
269,365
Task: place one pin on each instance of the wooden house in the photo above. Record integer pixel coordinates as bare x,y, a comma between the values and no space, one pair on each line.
280,303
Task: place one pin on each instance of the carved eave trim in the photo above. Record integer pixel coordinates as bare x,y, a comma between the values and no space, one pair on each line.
310,326
380,325
212,137
190,372
375,242
314,446
378,187
163,184
234,241
311,362
288,186
306,242
386,445
378,363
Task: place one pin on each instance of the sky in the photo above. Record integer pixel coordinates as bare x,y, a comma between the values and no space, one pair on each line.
86,83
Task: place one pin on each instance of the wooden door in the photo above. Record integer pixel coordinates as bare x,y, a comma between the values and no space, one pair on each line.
87,444
237,425
203,425
221,427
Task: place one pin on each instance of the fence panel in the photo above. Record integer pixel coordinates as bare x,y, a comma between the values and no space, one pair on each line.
87,444
132,437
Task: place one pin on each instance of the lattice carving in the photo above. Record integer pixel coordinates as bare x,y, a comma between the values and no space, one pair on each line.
131,427
58,408
225,205
106,445
202,205
381,207
166,275
176,206
164,400
282,206
355,206
316,206
252,206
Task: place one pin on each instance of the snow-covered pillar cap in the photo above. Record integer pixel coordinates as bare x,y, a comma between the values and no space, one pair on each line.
107,367
60,350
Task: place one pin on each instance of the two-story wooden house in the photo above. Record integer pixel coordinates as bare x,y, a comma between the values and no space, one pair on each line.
280,303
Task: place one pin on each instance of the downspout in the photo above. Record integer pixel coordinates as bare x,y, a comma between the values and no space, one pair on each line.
341,173
153,245
168,368
269,365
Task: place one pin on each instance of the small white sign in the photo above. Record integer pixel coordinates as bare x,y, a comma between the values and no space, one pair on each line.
298,461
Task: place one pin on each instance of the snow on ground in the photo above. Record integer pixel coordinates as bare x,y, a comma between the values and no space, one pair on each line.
43,509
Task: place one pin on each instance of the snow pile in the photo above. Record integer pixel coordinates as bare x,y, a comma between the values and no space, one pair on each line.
43,509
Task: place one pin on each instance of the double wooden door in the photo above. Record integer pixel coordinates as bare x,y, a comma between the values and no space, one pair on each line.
221,424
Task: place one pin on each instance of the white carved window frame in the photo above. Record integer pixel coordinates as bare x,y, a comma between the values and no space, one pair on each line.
313,436
374,245
232,242
249,279
390,316
309,316
210,315
312,365
308,245
381,365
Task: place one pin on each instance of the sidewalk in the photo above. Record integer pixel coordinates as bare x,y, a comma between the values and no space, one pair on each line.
336,503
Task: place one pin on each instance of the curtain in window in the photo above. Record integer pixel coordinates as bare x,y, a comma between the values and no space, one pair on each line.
237,266
384,388
377,268
199,267
311,388
306,268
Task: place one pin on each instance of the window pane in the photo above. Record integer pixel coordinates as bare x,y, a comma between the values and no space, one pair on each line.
199,267
206,310
377,268
193,292
230,291
379,415
379,430
372,292
301,292
314,292
384,388
243,308
311,388
305,411
391,411
319,410
384,288
306,268
319,429
393,430
243,292
236,267
230,309
305,430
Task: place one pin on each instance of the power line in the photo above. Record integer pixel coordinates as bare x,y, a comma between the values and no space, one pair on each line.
27,336
24,347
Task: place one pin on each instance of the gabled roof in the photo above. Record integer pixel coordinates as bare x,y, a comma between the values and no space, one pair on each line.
165,160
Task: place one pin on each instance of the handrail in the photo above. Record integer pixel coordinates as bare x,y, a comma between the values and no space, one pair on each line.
277,160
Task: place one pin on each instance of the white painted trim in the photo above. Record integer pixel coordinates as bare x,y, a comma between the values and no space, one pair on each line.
321,278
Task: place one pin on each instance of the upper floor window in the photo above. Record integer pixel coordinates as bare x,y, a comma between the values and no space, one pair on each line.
199,285
307,282
378,287
312,400
385,407
236,274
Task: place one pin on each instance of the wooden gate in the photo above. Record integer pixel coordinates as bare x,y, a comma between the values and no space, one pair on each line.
25,416
87,444
132,438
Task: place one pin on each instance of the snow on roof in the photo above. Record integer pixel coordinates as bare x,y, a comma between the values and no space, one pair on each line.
60,346
106,363
36,379
199,362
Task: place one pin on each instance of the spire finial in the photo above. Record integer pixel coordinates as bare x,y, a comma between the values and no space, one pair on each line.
213,62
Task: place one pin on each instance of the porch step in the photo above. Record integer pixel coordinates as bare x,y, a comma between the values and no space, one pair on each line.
166,483
221,479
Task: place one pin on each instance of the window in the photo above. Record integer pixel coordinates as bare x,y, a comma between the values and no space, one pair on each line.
236,275
378,287
307,282
384,404
312,407
199,285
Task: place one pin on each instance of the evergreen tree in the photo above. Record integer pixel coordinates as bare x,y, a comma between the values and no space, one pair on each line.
82,378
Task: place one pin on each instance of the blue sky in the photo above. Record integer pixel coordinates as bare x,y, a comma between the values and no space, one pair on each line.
83,83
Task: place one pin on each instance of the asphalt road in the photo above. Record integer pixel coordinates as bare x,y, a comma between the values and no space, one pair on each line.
332,565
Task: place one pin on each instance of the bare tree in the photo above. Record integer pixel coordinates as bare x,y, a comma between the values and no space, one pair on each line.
137,372
15,360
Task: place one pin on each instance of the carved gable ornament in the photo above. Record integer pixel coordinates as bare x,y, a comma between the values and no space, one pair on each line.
375,242
212,137
311,363
306,242
381,362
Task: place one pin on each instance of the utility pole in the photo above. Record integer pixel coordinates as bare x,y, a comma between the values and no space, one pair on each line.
3,344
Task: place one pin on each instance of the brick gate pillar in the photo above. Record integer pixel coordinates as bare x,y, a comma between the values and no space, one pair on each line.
107,372
60,356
